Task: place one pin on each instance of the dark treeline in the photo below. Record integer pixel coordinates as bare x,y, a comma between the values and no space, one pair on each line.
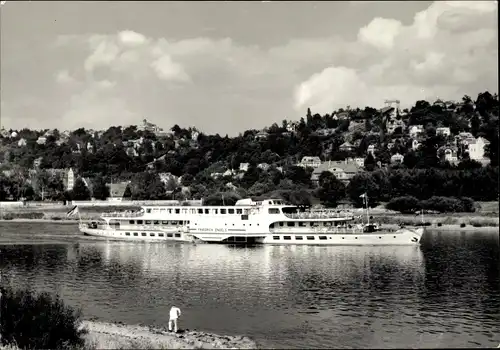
117,155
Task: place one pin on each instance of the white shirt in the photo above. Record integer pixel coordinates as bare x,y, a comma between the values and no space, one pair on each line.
175,312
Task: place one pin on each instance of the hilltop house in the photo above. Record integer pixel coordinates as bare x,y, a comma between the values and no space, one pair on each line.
244,167
449,153
393,124
397,158
343,170
371,150
42,140
415,144
415,130
445,131
476,148
70,179
261,135
117,190
347,147
308,161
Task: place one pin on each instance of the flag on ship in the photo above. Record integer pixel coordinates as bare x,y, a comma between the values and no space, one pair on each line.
365,198
73,211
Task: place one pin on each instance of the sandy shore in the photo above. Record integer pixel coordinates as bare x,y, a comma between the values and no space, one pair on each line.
103,335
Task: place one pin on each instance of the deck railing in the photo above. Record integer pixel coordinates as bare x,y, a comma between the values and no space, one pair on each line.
123,214
320,215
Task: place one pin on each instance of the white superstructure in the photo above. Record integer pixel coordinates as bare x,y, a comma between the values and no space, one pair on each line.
270,221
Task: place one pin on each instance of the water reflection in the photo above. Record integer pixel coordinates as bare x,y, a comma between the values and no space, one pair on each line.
445,293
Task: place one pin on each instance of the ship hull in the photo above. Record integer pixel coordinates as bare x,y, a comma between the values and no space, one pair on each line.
403,237
148,236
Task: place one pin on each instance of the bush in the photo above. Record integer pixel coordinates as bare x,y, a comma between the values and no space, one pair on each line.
38,321
405,205
447,204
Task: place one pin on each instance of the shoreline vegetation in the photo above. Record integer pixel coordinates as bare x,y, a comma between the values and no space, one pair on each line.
42,321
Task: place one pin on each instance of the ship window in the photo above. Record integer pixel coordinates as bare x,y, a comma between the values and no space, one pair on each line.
177,211
160,235
177,235
169,235
152,234
290,224
281,224
302,224
148,211
184,211
239,211
127,233
355,237
200,211
299,238
273,211
131,222
170,211
394,236
174,222
187,222
214,211
148,222
193,211
135,233
143,234
139,222
244,217
276,238
271,226
164,222
322,238
156,222
342,237
230,211
310,238
162,209
207,211
379,237
223,211
287,238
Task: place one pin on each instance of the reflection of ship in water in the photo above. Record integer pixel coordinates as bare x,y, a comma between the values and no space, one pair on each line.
269,262
158,258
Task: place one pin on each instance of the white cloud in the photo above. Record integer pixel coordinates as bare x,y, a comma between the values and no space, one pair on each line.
63,77
222,86
450,49
131,38
380,32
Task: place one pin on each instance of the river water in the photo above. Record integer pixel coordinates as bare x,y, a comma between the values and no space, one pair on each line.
445,293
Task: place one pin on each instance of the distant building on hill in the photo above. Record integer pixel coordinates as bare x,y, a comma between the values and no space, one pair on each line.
117,190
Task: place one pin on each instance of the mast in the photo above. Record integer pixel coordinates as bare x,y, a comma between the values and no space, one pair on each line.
367,210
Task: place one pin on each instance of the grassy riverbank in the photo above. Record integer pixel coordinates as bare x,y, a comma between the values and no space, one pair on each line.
42,320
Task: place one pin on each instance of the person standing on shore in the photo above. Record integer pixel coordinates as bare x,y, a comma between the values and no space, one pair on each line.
175,313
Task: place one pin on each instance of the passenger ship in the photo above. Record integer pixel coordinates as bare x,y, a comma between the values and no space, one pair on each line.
269,221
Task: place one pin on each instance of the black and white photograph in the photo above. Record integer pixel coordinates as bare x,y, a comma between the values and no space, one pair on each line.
249,175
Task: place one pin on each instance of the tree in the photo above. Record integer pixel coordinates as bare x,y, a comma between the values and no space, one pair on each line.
80,191
100,190
330,189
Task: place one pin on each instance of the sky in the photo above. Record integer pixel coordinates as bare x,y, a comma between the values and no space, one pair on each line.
225,67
